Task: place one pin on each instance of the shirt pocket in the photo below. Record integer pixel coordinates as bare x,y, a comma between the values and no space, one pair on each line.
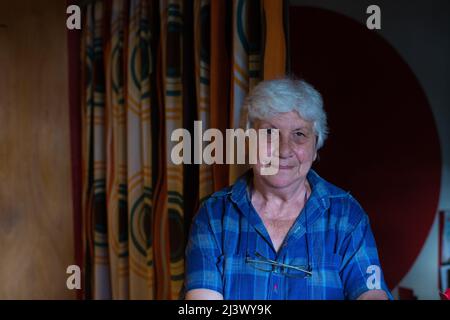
331,261
326,281
240,279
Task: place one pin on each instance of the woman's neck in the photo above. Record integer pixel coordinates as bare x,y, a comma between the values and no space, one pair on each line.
294,192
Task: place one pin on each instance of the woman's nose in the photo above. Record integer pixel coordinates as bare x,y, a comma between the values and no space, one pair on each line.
285,150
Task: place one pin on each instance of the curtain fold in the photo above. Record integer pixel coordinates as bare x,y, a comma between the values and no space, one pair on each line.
139,139
275,39
116,142
94,154
202,56
220,50
246,63
148,68
172,46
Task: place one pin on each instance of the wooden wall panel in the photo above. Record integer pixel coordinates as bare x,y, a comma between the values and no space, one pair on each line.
36,237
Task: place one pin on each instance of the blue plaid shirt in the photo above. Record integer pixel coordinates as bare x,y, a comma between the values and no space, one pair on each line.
332,233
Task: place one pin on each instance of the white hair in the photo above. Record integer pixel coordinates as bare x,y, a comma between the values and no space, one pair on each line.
272,97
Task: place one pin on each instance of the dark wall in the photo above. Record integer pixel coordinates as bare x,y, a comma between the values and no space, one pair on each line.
387,118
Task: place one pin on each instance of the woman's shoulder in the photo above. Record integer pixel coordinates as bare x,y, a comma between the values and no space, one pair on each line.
341,203
216,204
218,198
232,192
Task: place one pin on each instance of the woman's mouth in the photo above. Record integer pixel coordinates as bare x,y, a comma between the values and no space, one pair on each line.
285,167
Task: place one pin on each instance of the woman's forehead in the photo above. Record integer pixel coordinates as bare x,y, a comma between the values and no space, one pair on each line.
286,120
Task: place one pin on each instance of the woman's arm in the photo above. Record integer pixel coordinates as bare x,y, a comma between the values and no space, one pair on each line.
203,294
361,273
203,279
374,295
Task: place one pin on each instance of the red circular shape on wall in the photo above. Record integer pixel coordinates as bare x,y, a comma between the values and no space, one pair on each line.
383,145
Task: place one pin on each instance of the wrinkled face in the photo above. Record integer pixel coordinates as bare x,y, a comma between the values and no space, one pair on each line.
297,148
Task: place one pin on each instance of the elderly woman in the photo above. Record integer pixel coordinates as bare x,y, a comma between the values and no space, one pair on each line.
291,235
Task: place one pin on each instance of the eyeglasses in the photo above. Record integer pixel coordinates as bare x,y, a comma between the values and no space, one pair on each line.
268,265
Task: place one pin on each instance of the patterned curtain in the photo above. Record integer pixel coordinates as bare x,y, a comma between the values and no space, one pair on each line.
138,59
96,244
116,141
171,12
202,17
246,62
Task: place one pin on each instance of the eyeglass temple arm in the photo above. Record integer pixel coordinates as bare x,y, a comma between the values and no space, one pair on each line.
280,264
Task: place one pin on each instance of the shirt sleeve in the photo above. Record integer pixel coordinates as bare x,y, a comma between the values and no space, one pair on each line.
361,270
203,256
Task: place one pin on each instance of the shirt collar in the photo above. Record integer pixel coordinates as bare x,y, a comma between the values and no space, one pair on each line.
322,190
317,204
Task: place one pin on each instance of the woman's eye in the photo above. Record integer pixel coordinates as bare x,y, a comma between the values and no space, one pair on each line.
299,134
